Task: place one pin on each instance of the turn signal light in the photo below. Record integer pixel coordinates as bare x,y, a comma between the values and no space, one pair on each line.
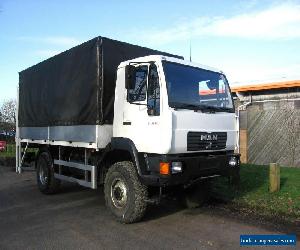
164,168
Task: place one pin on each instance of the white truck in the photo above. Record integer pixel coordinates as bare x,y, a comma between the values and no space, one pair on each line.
138,121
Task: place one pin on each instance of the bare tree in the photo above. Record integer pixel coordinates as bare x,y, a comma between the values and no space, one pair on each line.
8,118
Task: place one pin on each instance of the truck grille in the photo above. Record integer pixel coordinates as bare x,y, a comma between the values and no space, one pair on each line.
206,141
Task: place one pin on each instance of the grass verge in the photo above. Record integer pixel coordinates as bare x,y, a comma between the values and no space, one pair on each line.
10,151
253,195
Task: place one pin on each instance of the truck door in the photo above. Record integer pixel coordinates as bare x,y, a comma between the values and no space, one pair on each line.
142,114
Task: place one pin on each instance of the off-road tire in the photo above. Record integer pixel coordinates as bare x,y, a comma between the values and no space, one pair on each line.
135,206
48,184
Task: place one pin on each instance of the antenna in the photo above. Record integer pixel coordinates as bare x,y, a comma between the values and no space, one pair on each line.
190,50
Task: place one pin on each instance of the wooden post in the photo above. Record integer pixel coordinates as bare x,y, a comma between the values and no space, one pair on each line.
274,177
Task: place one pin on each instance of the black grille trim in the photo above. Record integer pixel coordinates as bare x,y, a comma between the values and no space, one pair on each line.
194,142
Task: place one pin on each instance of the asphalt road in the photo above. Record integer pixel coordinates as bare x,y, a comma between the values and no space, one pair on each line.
76,218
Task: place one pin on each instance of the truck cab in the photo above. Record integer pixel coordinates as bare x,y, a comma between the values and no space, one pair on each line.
179,117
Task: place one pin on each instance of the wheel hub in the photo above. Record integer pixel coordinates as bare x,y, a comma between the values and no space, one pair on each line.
119,193
43,175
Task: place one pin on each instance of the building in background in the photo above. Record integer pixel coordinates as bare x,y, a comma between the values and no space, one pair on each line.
269,122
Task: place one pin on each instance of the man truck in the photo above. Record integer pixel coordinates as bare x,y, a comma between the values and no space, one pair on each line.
138,121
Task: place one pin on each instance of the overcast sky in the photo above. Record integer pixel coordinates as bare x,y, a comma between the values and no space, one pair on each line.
251,41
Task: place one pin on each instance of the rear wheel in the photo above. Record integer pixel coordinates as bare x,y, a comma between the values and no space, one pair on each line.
47,184
125,195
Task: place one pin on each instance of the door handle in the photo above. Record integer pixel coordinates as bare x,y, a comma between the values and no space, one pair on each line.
126,123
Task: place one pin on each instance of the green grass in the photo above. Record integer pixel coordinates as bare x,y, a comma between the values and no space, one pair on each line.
253,194
9,152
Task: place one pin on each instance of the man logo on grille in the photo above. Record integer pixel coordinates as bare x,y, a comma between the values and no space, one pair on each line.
209,137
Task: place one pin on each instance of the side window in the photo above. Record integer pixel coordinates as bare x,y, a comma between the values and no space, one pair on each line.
153,100
139,92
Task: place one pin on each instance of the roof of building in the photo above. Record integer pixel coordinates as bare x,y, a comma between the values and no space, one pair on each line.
266,86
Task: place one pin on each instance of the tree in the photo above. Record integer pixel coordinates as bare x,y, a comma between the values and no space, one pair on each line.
8,118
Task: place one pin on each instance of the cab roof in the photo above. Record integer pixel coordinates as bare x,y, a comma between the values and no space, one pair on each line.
158,58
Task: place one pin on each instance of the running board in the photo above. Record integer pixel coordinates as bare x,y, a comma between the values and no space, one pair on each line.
92,183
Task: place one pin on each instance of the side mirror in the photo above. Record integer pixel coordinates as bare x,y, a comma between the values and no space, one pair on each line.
130,72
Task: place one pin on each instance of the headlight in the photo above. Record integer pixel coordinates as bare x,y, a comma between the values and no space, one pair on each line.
233,161
176,167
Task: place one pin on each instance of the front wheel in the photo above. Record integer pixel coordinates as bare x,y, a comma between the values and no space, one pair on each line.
125,195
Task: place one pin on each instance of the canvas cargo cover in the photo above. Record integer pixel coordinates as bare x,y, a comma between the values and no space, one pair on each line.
77,86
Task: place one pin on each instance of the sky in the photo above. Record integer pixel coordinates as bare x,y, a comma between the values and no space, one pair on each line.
250,41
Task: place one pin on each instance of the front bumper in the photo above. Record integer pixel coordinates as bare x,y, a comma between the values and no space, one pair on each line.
195,167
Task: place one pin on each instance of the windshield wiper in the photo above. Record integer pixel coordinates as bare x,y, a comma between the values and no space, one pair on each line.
220,109
195,107
203,108
185,106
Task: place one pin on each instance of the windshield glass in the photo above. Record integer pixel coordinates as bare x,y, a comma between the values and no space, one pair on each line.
195,88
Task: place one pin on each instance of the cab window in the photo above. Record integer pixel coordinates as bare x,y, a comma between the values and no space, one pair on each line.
138,94
153,94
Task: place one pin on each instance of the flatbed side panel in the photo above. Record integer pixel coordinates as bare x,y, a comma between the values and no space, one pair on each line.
97,135
61,143
36,133
81,133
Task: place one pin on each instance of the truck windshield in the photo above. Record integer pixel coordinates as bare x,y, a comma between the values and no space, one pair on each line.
197,89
